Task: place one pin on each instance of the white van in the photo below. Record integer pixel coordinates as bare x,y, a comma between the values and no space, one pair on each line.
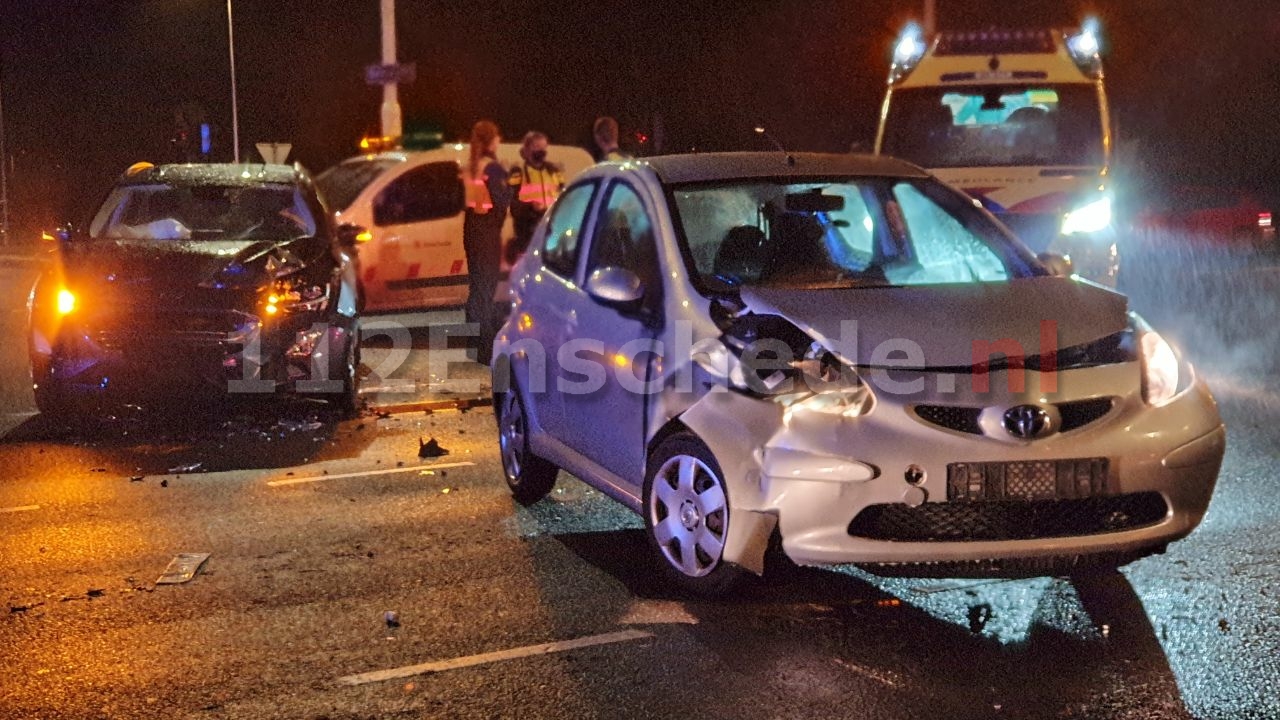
1019,120
409,205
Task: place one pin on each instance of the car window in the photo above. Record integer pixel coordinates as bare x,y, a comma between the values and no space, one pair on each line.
945,251
564,231
850,232
624,233
430,192
996,125
342,184
164,212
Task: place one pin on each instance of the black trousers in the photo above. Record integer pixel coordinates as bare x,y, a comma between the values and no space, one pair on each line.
482,243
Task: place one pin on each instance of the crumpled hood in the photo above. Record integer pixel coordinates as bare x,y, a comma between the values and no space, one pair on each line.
169,263
946,320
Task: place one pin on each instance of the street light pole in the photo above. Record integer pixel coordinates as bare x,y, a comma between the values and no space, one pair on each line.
235,110
391,119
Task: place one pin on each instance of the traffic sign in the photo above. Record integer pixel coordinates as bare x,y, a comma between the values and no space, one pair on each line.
274,153
402,74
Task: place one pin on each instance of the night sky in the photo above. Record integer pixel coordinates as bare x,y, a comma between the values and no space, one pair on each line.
90,87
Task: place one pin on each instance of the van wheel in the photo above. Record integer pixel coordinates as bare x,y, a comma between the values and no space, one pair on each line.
686,514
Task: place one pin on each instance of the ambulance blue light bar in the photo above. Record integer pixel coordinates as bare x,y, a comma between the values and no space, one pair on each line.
996,42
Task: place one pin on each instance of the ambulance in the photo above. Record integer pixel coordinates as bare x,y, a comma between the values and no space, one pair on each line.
1019,120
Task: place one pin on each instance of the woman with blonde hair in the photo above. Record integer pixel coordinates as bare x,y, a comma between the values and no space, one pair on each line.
488,197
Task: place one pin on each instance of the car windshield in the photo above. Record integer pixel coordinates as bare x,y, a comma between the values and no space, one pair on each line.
842,233
165,212
342,184
996,126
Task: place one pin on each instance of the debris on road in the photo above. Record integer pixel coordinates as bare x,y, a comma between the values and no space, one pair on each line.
95,592
391,618
979,616
164,483
135,478
193,467
182,568
430,449
299,425
23,608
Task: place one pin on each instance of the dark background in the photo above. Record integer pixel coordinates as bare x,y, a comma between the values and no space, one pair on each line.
91,87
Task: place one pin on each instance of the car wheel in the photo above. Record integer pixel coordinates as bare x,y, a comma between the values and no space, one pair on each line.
686,513
529,476
348,400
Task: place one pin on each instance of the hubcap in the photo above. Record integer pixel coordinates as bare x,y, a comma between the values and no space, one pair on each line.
511,437
689,515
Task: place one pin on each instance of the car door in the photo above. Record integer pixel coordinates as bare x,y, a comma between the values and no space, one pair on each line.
551,303
609,422
417,218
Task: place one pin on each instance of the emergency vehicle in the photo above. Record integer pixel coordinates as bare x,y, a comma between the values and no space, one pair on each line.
1019,120
407,206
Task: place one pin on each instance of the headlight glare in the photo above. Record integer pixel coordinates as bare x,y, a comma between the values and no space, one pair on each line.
1091,218
66,302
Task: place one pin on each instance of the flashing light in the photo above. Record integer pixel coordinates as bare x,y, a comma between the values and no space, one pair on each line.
66,302
621,360
910,48
1091,218
271,308
526,322
1264,220
364,237
1085,46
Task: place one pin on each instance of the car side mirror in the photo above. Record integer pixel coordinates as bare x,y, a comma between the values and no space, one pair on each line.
1058,265
350,235
616,287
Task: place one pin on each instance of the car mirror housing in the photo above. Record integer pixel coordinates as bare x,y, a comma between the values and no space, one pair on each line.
351,235
616,287
1058,265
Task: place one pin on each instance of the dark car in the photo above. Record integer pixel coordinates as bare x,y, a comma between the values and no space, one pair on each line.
223,278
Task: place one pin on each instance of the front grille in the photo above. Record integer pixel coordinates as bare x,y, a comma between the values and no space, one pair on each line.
175,328
1077,414
1008,519
952,417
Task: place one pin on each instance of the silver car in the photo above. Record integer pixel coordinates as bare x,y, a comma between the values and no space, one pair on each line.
845,359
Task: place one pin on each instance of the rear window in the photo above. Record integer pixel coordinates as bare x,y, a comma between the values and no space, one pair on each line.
341,184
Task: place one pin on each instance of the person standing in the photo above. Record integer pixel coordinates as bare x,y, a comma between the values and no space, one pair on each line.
488,196
536,183
606,134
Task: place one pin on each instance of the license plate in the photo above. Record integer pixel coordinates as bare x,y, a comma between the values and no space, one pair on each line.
1027,480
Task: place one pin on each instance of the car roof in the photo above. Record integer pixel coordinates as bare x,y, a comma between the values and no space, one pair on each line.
711,167
212,174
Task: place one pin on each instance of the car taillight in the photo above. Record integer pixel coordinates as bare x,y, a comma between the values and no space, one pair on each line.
1264,220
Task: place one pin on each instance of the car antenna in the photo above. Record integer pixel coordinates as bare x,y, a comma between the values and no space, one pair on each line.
761,131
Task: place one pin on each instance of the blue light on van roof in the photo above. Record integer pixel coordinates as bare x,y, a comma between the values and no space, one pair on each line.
1085,47
908,52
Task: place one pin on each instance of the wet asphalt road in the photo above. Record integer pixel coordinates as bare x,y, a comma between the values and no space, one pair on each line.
316,529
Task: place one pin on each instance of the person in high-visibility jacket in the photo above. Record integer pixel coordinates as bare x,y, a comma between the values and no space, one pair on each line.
488,195
536,183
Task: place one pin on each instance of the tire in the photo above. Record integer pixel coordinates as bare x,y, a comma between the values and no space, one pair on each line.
529,476
347,402
686,515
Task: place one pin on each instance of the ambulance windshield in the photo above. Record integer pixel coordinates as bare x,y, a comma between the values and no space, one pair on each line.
996,126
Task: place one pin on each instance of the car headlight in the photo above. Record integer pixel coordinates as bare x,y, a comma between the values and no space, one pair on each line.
817,383
1091,218
292,295
1161,370
66,302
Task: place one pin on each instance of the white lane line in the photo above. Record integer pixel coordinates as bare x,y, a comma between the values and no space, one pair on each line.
368,473
23,508
513,653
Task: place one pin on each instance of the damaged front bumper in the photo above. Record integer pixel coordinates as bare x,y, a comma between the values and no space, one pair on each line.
891,487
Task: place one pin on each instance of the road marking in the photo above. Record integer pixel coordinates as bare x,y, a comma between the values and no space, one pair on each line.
866,672
484,658
23,508
367,473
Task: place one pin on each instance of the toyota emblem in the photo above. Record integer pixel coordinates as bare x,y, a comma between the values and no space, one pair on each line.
1027,422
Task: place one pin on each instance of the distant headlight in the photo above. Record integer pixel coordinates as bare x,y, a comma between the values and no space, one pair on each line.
1160,369
66,302
1091,218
